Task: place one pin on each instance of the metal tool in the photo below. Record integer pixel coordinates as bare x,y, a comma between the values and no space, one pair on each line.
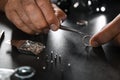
85,37
70,29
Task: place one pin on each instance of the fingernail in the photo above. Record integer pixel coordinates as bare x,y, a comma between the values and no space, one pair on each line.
53,27
65,16
95,44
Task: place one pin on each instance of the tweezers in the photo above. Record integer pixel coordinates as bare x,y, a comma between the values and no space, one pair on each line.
85,36
70,29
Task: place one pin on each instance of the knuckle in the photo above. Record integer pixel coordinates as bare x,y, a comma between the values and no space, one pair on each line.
19,24
27,21
28,5
41,3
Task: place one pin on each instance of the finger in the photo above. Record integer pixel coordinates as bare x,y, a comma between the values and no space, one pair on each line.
21,13
35,14
117,40
46,30
12,16
59,13
49,14
107,33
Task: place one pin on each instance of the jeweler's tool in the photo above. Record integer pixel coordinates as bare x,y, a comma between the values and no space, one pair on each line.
85,37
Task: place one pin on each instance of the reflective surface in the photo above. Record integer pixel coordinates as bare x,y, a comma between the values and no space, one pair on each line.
65,57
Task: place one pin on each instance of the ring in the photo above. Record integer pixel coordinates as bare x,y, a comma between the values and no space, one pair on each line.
86,39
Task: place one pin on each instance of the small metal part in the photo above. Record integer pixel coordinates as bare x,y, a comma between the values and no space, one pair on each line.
66,10
82,22
52,52
38,57
28,46
76,4
43,67
58,3
51,61
60,59
85,40
69,65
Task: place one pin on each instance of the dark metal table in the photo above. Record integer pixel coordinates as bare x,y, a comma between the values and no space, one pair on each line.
74,61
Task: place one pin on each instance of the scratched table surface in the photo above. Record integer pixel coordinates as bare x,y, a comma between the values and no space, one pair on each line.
65,56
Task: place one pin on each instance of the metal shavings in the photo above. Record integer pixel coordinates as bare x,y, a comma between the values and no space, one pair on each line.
31,47
28,46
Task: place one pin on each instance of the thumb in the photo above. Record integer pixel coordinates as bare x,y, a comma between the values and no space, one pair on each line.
59,12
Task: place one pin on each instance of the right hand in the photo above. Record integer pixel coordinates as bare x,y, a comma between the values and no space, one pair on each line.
34,16
110,32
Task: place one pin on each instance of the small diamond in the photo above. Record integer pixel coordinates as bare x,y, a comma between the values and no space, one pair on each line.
44,67
69,64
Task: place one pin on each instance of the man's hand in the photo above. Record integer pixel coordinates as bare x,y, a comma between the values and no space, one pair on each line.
34,16
110,32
